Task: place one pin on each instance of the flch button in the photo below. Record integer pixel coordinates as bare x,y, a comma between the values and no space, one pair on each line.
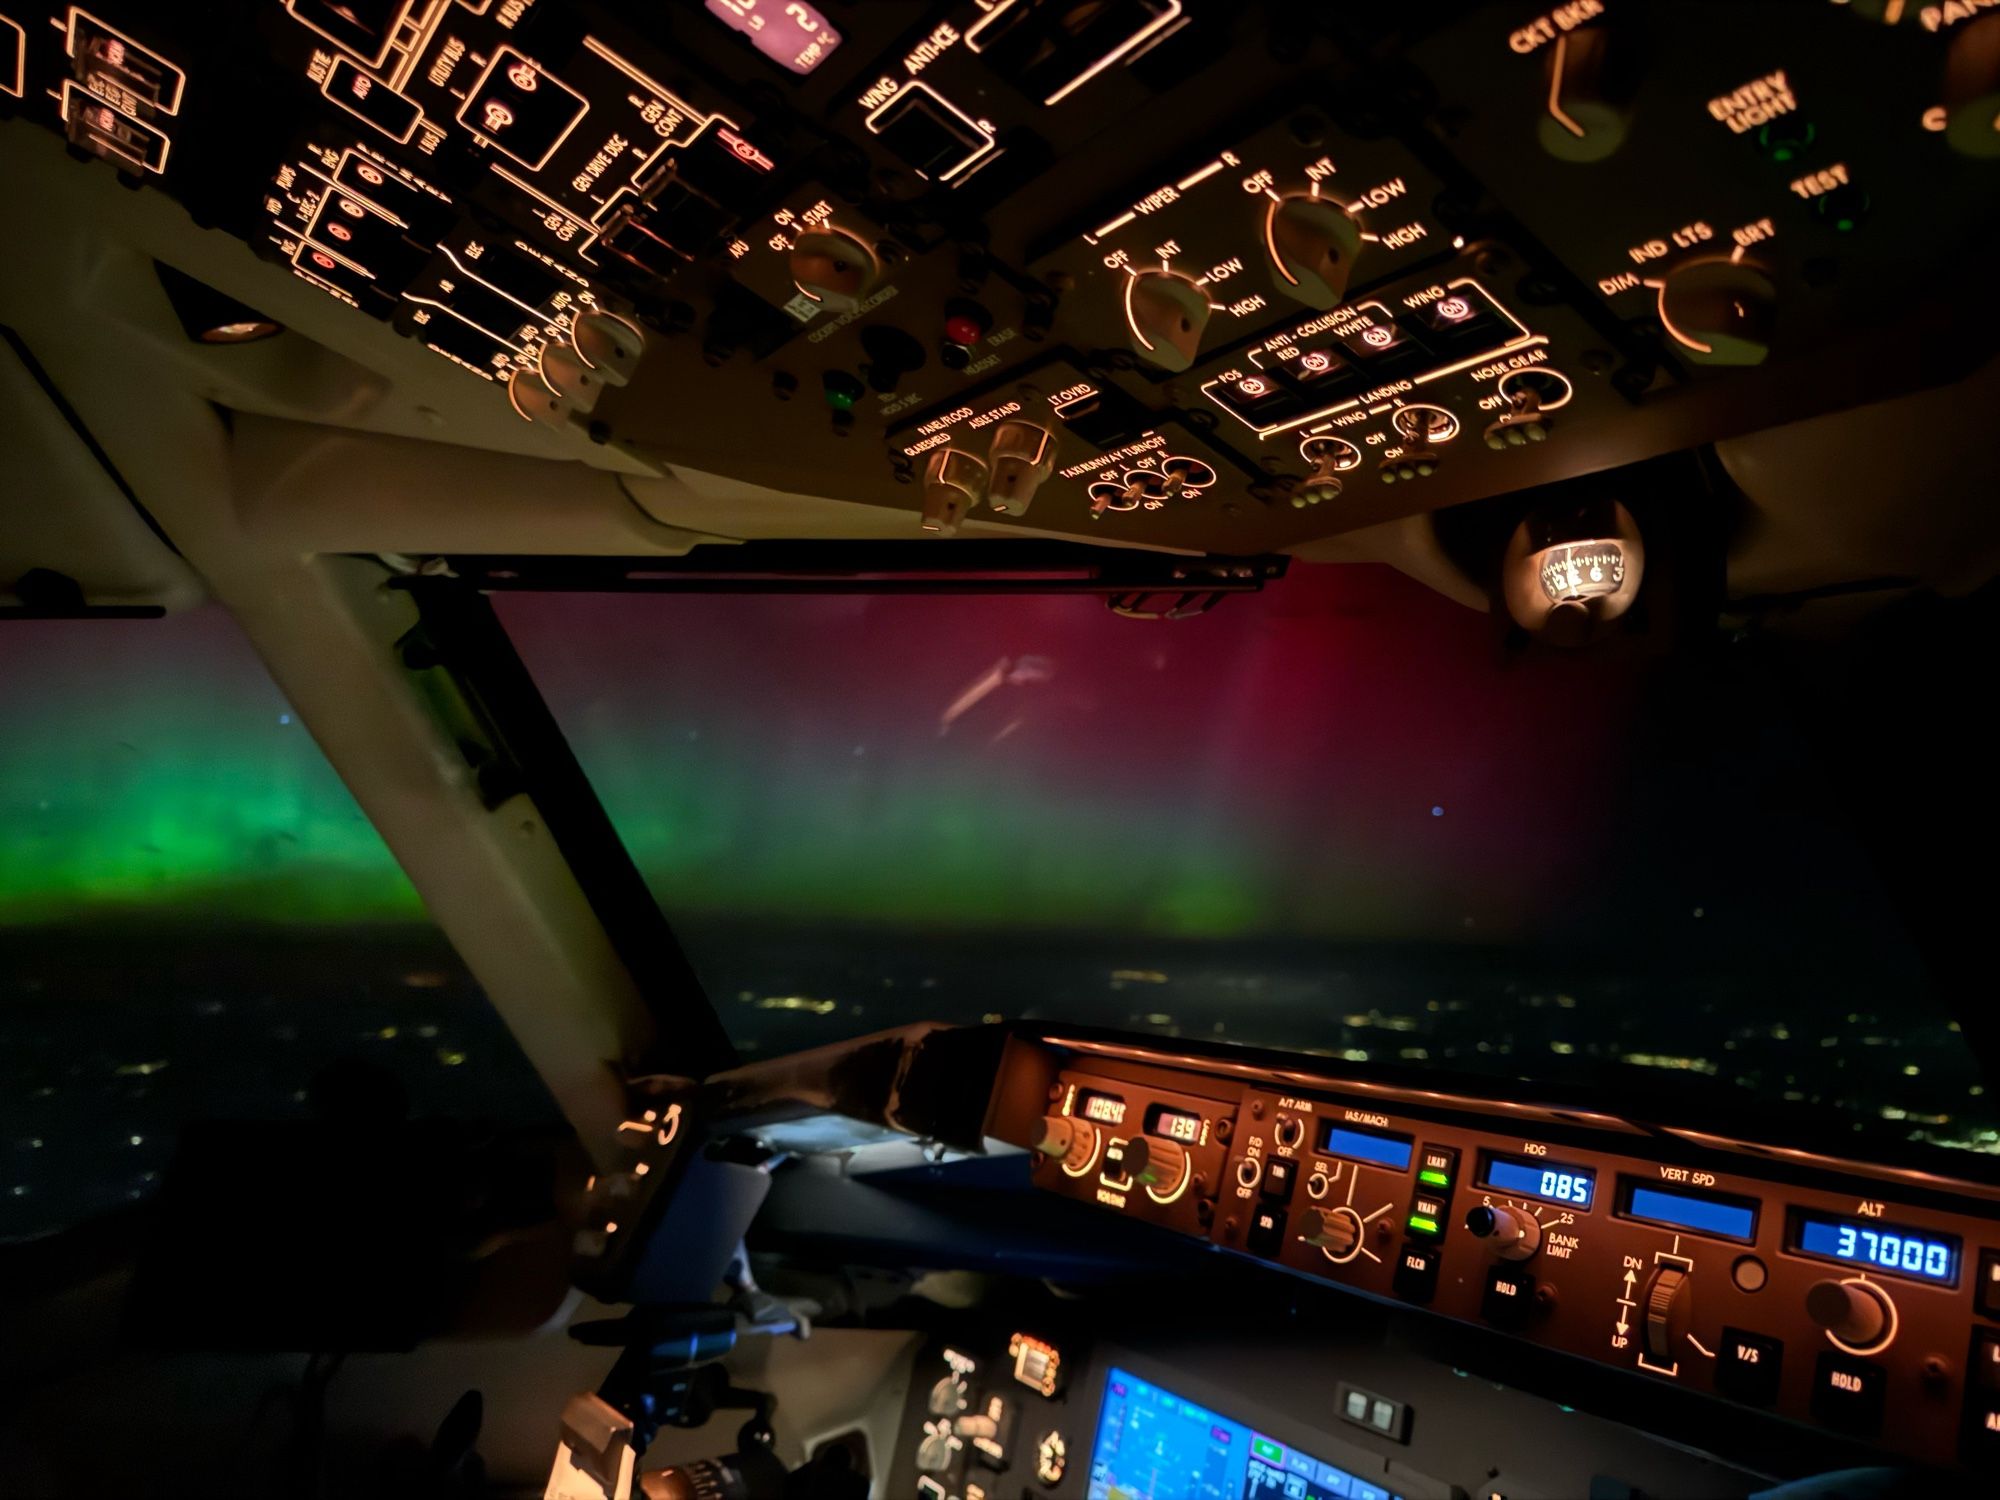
1417,1272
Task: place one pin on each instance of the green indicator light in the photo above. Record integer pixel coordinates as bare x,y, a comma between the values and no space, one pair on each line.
1420,1223
1267,1450
1435,1179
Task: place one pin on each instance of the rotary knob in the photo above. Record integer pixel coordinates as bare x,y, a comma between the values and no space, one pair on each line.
1719,310
1070,1141
1337,1231
608,344
1972,89
1666,1313
1855,1314
954,482
1166,313
1160,1166
1313,242
1514,1234
1022,456
834,267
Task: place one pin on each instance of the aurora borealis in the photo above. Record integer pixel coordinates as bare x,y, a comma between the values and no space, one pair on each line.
151,766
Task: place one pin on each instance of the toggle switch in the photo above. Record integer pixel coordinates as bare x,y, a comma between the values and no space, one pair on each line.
1587,111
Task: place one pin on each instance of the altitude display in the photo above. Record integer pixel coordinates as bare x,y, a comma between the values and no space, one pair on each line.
1550,1181
1879,1247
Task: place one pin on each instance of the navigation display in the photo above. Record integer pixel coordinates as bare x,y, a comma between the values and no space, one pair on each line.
1154,1445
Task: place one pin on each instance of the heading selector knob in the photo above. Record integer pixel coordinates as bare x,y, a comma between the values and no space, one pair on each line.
1313,242
1515,1235
1856,1314
1070,1141
1166,314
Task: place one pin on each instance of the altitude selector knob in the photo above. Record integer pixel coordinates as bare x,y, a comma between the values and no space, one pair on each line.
1334,1230
1313,243
1513,1235
1856,1313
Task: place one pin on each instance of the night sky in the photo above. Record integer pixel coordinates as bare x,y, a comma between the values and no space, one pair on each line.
1336,816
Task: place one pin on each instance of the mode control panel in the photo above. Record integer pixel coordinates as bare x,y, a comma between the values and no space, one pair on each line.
1868,1312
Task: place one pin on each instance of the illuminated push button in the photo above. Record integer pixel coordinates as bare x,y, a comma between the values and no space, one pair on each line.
1417,1272
1267,1232
954,482
842,389
1972,89
1280,1177
1166,315
1508,1232
1847,1393
609,344
834,267
1509,1297
1986,1291
1748,1366
1586,115
1719,311
1439,1167
1427,1215
1312,243
1856,1313
1022,456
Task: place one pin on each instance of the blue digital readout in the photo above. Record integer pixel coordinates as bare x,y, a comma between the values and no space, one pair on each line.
1550,1181
1392,1151
1695,1212
1879,1247
1154,1443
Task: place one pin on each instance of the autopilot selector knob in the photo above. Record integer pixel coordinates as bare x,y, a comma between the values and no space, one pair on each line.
1335,1230
1071,1141
1512,1233
1166,313
1667,1313
1313,242
1856,1314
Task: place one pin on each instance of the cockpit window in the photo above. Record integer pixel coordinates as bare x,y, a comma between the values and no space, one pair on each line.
197,921
1341,816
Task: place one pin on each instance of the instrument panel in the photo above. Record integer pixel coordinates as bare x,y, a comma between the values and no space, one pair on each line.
1173,273
1855,1300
